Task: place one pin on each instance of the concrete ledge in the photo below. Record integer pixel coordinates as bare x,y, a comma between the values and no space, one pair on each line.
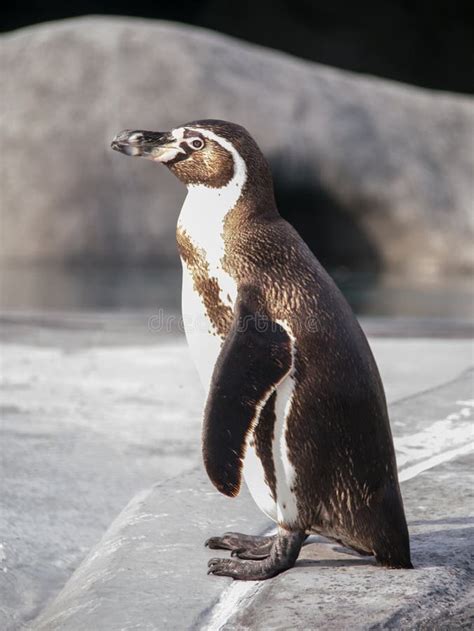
149,570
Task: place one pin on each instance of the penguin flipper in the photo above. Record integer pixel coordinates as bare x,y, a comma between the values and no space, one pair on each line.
254,359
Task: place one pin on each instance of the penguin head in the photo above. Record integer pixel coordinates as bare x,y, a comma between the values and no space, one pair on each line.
207,152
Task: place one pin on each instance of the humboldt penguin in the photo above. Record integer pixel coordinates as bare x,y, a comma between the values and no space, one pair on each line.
295,403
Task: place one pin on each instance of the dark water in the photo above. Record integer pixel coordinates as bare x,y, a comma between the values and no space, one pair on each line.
59,289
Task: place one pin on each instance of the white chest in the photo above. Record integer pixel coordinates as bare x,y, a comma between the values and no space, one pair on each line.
202,219
203,341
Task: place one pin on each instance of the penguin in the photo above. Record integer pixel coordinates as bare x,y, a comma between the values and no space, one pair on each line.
295,403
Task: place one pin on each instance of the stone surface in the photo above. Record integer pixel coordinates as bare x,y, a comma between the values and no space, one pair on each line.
374,174
83,430
154,558
96,408
148,572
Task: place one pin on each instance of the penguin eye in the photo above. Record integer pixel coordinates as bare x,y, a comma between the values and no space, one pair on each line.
197,143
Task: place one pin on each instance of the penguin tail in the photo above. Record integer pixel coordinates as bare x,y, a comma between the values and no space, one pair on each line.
391,540
395,563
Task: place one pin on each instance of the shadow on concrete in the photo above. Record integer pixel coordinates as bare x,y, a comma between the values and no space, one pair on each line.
441,548
429,549
335,562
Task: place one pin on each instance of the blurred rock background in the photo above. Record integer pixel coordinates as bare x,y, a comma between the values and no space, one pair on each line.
376,175
423,43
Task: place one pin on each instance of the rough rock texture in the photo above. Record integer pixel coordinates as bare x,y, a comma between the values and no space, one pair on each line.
148,571
374,174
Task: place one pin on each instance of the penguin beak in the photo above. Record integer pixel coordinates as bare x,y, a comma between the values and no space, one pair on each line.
153,145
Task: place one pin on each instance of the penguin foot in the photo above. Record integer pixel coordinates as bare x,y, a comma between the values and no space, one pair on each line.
252,554
242,546
283,554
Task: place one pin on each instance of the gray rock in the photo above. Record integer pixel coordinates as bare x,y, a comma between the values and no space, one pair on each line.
94,408
374,173
148,572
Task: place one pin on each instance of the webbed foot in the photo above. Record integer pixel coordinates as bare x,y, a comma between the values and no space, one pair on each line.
283,554
242,546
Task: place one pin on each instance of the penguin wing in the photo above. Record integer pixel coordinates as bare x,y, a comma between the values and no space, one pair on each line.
254,359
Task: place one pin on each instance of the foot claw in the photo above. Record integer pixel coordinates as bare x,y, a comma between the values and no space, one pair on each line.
216,566
225,567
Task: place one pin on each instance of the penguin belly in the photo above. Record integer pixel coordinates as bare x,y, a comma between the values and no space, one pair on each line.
205,345
254,476
281,504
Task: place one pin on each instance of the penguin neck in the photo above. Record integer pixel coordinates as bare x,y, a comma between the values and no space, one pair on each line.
245,198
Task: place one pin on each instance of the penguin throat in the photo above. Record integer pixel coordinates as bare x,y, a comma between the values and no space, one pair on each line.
205,208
